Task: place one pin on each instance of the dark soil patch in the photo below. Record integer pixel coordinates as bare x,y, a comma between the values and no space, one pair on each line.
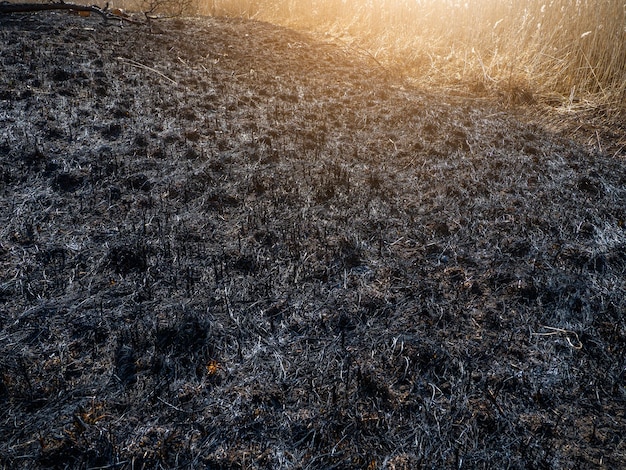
229,245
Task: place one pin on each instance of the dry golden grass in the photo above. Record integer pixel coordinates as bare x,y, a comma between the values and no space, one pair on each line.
567,53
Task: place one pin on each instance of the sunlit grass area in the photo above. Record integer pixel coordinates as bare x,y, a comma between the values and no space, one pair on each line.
564,52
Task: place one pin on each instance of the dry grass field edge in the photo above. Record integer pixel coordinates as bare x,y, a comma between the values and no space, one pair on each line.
561,52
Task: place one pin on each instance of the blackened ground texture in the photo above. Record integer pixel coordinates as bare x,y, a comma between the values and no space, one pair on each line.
224,244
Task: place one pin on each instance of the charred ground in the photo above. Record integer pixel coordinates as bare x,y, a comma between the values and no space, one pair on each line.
226,244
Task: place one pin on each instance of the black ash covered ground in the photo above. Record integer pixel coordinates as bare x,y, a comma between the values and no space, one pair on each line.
224,244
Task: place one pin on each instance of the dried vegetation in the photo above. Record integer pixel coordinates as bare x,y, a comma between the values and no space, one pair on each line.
224,244
561,53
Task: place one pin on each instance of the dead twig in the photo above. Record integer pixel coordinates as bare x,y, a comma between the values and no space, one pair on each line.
361,50
556,331
7,8
139,65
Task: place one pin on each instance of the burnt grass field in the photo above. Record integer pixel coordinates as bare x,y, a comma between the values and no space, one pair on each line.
228,245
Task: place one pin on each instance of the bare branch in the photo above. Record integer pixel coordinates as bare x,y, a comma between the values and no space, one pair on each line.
6,8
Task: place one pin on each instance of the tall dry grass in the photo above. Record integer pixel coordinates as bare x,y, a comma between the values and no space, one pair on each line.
571,52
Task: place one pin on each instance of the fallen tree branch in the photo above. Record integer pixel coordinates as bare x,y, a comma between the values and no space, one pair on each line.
6,8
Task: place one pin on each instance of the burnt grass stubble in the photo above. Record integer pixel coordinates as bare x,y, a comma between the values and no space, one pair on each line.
225,244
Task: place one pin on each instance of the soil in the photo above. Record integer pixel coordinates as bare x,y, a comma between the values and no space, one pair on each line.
226,244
